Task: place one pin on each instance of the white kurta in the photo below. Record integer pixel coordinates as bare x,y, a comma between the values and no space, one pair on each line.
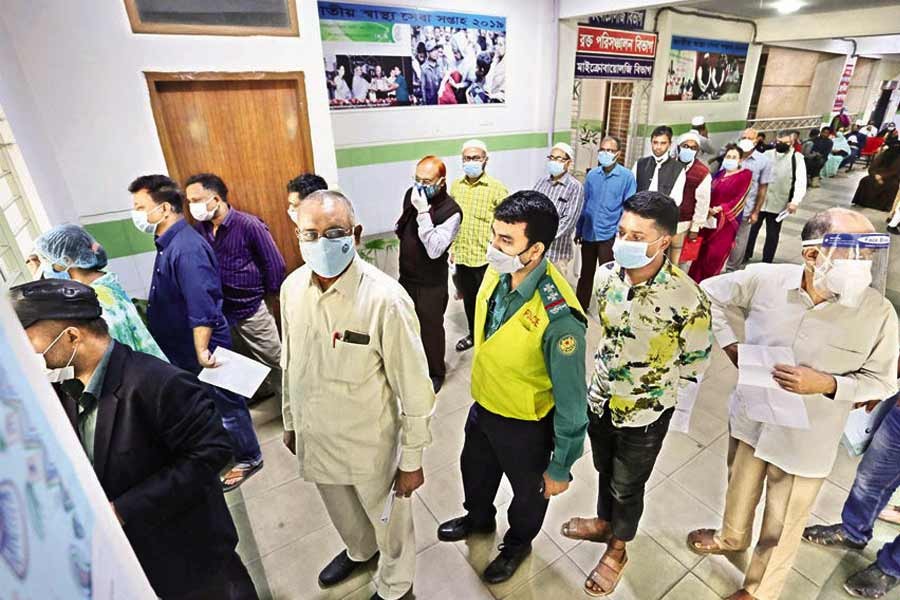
859,346
353,406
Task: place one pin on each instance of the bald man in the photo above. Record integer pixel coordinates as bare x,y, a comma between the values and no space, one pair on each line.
356,394
426,228
843,337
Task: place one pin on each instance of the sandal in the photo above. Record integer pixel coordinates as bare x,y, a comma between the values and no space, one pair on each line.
606,576
238,474
578,528
703,541
465,343
830,535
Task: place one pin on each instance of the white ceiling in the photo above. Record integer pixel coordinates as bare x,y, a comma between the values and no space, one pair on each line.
759,9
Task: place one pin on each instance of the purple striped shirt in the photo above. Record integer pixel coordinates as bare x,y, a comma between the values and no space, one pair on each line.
250,264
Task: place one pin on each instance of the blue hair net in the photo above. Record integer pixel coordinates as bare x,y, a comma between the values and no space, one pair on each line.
71,245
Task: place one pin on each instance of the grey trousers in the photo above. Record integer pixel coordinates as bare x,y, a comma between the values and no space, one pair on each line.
736,258
258,335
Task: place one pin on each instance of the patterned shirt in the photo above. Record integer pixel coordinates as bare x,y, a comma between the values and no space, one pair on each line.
477,199
656,336
567,196
122,318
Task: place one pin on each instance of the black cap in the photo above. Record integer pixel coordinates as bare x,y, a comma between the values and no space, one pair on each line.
54,299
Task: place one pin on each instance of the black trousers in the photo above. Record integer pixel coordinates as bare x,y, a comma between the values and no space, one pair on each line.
773,233
431,304
495,446
232,583
592,254
624,459
469,280
814,165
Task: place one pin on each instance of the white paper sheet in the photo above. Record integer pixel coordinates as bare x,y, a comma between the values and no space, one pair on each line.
388,506
763,399
687,397
858,431
235,373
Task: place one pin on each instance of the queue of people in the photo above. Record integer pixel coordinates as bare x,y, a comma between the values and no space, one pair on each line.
360,359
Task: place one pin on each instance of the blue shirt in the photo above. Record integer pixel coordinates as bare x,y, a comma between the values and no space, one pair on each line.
604,195
402,89
185,293
763,174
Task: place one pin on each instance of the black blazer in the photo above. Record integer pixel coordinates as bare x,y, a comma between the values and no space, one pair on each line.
159,446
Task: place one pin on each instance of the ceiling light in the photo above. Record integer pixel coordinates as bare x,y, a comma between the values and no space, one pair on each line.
788,6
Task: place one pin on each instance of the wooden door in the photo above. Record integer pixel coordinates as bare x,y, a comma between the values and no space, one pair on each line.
618,114
250,129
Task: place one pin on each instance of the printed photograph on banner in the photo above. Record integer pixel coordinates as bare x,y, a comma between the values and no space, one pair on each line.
701,69
396,56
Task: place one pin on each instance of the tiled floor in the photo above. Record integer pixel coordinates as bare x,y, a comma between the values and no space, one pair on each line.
286,537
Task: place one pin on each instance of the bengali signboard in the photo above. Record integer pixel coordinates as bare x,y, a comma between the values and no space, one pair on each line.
844,84
379,56
630,19
701,69
593,66
615,42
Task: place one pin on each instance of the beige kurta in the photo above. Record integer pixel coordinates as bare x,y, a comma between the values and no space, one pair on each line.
353,406
858,345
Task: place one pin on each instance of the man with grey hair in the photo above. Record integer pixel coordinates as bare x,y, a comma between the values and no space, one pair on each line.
786,191
841,335
567,195
356,394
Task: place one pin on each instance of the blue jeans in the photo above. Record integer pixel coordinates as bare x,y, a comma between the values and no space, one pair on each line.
877,477
237,422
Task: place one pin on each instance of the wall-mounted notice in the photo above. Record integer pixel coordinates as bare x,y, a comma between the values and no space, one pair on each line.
701,69
58,536
604,53
630,19
381,56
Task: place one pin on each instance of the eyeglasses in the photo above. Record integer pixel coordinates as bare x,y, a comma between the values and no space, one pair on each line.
466,159
559,159
311,235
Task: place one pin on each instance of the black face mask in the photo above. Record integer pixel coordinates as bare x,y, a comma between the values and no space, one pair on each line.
782,147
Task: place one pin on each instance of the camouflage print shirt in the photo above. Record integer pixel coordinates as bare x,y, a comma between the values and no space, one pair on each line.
656,336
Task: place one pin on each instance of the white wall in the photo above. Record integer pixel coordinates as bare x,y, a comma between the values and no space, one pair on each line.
377,189
84,69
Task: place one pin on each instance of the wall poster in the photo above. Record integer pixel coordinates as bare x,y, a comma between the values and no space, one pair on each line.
840,97
701,69
381,56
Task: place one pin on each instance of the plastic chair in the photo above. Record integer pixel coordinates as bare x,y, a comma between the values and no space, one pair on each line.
872,145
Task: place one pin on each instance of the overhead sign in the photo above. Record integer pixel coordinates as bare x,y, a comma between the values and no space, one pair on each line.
615,42
630,19
593,66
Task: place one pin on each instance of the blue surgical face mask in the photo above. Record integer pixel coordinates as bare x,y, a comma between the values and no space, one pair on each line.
430,190
632,255
605,159
554,168
730,164
473,169
328,258
686,155
50,273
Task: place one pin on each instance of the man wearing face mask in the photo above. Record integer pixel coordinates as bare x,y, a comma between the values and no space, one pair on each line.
426,228
250,266
694,209
661,172
299,188
184,310
154,439
529,416
784,195
605,191
357,398
655,340
477,194
843,335
567,195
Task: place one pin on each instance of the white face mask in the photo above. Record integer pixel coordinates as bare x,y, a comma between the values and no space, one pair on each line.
846,278
504,263
200,212
293,214
140,219
60,374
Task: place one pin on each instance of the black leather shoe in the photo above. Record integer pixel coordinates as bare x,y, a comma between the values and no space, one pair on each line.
460,528
894,230
871,582
504,566
465,343
340,568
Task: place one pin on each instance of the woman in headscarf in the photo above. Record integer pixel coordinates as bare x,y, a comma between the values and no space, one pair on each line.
879,188
839,152
70,252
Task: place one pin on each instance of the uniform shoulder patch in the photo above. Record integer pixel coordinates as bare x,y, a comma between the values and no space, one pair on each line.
567,345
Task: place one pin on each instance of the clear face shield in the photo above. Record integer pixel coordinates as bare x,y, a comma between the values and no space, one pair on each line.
848,263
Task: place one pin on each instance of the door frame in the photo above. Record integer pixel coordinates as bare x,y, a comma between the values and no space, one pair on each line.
154,77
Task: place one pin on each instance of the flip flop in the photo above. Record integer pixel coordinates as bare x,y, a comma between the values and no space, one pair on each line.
241,472
605,575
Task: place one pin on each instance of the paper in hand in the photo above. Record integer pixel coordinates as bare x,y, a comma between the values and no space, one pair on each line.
687,397
763,399
235,373
782,216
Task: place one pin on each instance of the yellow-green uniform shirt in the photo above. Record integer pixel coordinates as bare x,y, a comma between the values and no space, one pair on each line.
563,349
656,337
477,200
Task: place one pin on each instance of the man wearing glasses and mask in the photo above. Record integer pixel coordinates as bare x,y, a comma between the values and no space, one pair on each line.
567,195
831,314
357,398
426,228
